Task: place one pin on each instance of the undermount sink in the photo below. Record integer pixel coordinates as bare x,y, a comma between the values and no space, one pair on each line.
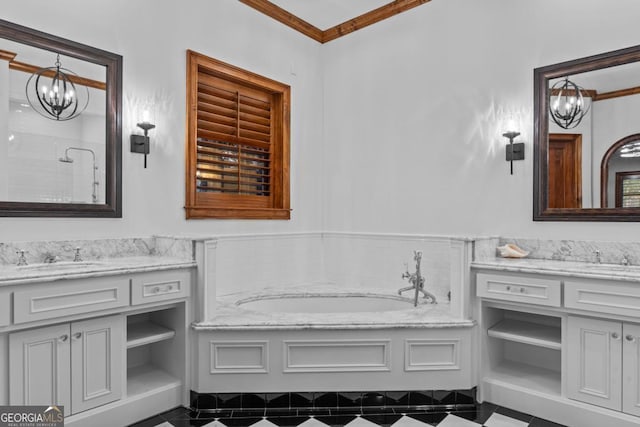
612,267
61,265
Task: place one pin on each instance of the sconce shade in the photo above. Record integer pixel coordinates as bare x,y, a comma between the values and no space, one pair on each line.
52,93
567,106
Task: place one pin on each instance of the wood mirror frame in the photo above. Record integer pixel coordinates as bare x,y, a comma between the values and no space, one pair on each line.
112,208
541,78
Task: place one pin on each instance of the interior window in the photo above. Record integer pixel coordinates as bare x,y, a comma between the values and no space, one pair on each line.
237,142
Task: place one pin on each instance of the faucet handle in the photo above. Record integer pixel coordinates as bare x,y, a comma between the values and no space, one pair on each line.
22,260
417,255
77,257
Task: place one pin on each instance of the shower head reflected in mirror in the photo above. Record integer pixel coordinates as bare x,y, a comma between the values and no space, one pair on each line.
94,183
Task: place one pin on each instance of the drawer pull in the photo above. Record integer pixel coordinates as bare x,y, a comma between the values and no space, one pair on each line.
615,335
77,335
156,289
522,290
630,338
170,287
508,288
63,338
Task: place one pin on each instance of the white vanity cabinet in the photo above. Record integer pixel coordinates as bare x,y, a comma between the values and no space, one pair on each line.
603,363
563,345
74,364
111,347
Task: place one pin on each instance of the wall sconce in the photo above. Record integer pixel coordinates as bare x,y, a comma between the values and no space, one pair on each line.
513,151
140,143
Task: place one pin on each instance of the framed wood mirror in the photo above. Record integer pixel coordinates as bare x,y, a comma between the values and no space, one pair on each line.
576,168
49,166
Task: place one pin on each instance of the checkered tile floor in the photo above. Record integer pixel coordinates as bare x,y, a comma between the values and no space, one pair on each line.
486,414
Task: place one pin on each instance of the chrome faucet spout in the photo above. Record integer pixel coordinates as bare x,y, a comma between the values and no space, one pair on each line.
417,282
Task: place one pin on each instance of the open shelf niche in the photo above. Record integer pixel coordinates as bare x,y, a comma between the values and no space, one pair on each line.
524,350
153,341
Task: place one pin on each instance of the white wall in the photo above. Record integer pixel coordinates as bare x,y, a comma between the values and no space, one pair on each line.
153,36
415,107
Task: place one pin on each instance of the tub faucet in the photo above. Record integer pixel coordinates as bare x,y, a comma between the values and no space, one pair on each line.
417,281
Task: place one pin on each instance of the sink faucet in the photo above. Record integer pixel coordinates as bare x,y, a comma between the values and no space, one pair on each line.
598,258
22,260
417,281
49,258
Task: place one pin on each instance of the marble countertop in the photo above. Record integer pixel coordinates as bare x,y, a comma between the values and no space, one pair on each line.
230,316
561,268
36,273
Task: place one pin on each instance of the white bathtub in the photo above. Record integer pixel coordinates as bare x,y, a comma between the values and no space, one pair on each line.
329,337
325,304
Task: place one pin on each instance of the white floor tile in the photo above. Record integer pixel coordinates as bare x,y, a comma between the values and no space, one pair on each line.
499,420
264,423
408,422
214,424
361,422
454,421
312,422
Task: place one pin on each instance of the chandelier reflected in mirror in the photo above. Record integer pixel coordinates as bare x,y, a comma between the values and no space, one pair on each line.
567,105
56,93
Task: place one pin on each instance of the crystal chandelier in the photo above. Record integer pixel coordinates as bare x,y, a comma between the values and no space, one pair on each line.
52,93
567,106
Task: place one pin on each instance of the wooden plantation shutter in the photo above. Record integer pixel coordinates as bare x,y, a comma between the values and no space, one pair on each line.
237,143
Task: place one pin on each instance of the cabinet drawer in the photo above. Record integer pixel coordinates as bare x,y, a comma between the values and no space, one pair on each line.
516,288
160,286
614,298
68,297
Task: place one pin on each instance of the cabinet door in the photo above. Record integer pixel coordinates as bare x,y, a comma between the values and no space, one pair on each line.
594,352
631,369
39,365
97,348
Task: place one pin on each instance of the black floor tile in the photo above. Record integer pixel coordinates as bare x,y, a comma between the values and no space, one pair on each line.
417,398
346,411
276,400
384,420
326,400
432,418
215,413
228,401
314,411
397,399
373,399
538,422
349,399
239,422
301,400
248,413
443,397
253,401
287,421
514,414
180,413
189,423
149,422
479,414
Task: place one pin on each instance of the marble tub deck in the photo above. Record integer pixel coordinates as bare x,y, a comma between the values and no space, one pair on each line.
230,316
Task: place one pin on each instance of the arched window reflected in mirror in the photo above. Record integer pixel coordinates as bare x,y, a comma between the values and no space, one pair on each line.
620,174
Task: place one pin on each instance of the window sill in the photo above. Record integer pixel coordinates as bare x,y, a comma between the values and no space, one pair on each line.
236,213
